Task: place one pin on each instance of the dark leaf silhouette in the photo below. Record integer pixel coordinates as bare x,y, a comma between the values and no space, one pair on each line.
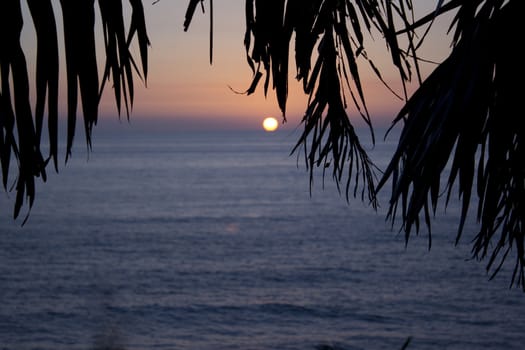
468,110
46,72
463,118
25,145
81,65
465,113
21,128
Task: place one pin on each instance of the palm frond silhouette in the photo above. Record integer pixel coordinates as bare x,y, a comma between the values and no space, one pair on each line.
466,110
21,131
465,113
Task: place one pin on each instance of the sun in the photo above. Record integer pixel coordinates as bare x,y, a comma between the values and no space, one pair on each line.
270,124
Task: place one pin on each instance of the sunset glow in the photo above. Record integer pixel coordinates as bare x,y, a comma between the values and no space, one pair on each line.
182,87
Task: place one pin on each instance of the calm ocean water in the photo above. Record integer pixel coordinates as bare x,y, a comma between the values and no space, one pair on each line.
212,241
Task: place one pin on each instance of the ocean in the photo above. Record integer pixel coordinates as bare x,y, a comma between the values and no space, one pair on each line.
213,240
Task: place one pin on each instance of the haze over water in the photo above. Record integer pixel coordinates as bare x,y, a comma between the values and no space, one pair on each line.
212,240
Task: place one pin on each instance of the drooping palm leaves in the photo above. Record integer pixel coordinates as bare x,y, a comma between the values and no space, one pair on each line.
467,109
46,72
20,129
330,32
25,144
466,113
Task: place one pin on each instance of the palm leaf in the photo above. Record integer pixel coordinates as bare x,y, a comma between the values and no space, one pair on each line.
46,72
12,62
82,81
138,26
118,61
81,65
7,121
467,102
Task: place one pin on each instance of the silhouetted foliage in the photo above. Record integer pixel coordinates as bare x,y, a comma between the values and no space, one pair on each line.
465,113
469,110
20,134
466,110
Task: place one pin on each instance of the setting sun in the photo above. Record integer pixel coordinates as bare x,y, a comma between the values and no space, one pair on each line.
270,124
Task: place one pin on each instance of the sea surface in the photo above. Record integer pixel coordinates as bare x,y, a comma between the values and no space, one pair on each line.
213,240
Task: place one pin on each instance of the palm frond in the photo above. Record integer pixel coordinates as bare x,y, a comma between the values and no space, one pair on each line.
81,66
118,58
335,29
463,114
13,65
46,72
467,111
20,128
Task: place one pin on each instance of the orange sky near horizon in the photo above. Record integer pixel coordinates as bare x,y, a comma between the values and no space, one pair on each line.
182,84
183,87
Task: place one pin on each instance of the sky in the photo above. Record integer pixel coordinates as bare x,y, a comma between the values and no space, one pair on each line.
187,92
